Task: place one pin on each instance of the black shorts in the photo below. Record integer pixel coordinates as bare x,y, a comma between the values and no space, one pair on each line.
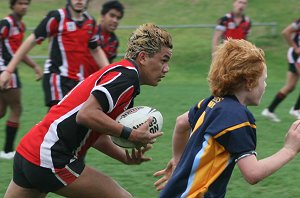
56,87
15,81
292,68
28,175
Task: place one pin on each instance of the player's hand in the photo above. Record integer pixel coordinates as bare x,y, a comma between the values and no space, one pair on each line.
142,136
5,77
137,155
38,73
292,139
166,173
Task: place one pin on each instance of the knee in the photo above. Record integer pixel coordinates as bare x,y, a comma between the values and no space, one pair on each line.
17,110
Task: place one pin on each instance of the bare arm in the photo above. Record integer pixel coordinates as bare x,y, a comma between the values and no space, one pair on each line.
106,146
216,39
254,170
287,34
34,66
18,57
92,116
99,57
181,136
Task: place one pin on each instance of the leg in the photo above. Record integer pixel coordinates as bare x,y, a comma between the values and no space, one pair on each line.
3,105
291,81
92,183
15,191
11,97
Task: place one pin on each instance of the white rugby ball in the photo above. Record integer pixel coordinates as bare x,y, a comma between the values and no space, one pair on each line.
134,118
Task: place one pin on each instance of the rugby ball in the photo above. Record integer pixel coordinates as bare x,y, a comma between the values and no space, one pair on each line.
134,118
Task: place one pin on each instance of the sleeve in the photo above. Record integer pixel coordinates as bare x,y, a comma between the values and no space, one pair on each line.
47,27
296,24
4,28
235,130
221,24
94,41
116,84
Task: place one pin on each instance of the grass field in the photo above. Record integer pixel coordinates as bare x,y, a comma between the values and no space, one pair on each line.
185,85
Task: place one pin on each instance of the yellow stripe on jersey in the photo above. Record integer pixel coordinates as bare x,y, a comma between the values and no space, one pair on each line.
199,122
234,128
211,165
199,104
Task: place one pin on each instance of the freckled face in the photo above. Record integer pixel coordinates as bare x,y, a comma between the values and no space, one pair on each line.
155,68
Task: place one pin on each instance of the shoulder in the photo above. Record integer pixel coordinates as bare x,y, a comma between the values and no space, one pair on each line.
230,109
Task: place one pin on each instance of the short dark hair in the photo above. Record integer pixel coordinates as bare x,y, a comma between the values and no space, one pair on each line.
13,2
106,7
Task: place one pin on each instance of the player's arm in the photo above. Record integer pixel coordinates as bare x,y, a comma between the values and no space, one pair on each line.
99,57
216,39
106,146
34,66
287,34
254,170
94,117
181,136
19,55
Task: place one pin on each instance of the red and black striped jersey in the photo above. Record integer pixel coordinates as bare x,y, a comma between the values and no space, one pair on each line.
232,29
58,140
109,43
11,36
69,41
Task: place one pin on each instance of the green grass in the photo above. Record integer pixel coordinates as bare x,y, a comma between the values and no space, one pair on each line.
185,84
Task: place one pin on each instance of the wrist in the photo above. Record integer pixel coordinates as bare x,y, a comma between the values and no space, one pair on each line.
126,131
8,71
291,153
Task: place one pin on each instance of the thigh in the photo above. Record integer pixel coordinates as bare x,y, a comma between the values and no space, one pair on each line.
92,183
12,97
15,191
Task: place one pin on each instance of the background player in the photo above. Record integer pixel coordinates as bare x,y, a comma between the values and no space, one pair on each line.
292,36
12,31
49,156
233,25
71,31
220,131
111,14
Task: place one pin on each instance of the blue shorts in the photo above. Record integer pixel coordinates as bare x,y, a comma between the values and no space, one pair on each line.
28,175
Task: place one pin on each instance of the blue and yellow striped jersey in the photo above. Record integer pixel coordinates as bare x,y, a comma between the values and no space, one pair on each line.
223,131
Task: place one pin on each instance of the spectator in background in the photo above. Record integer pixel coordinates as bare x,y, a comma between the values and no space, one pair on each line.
292,35
12,31
72,31
111,14
220,131
233,25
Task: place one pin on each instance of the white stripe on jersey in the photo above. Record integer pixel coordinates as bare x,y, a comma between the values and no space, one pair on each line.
64,67
51,138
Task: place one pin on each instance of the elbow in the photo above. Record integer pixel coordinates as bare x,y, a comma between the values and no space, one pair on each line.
252,179
81,118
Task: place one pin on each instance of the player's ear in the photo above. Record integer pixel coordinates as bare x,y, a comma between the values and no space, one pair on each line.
142,57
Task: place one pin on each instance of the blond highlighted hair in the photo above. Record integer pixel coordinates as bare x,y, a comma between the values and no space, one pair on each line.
235,64
148,38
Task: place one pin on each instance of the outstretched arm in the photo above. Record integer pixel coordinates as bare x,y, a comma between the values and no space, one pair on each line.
254,170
